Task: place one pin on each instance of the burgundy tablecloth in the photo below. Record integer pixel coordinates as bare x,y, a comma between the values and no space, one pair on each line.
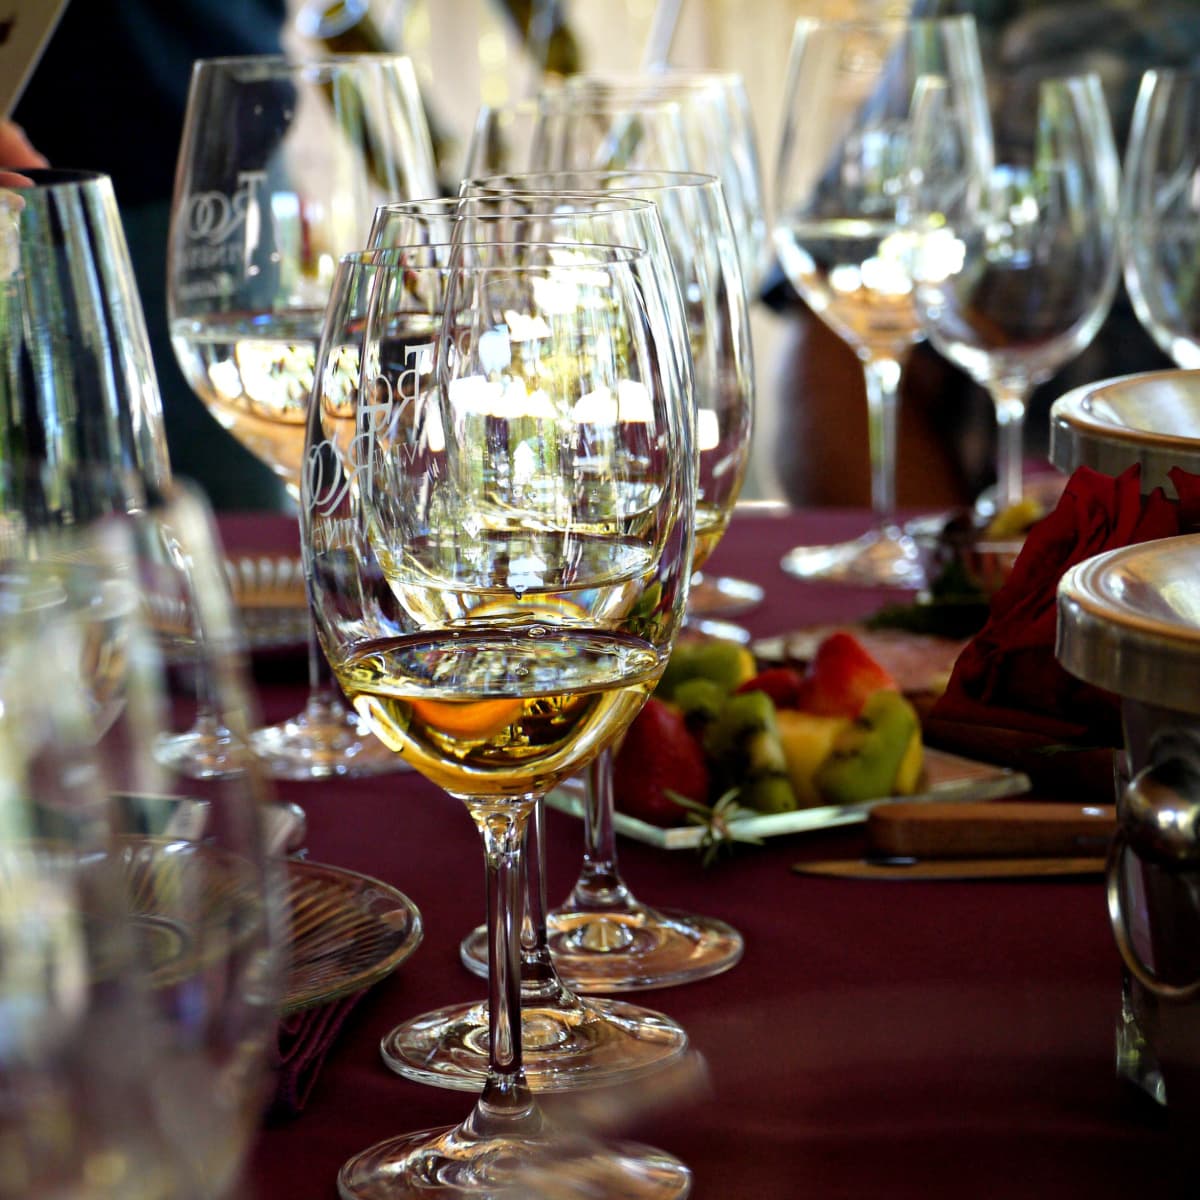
878,1039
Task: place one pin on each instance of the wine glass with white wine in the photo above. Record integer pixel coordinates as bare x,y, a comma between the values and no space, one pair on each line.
281,164
497,543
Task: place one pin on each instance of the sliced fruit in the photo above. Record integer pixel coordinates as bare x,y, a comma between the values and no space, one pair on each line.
782,684
912,766
480,719
841,676
744,746
867,754
658,756
807,740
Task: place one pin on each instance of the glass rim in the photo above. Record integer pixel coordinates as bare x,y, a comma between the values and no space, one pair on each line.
52,177
392,257
298,61
653,180
618,202
888,21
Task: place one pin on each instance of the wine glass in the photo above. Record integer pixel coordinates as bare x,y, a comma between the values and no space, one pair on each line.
497,545
568,1040
1017,268
78,384
839,231
1159,209
281,164
139,914
720,138
603,939
693,121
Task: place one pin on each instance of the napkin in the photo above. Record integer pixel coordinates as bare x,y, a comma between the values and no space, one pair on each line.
304,1040
1007,676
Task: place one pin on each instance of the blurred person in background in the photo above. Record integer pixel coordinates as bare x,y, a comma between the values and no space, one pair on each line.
109,95
946,452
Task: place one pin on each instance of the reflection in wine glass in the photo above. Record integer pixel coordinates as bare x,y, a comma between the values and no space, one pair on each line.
1018,267
281,164
1161,212
497,545
138,913
840,191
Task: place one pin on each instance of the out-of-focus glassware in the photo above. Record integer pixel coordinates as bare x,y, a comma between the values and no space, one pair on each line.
77,382
281,164
840,190
1160,212
1018,265
497,539
140,921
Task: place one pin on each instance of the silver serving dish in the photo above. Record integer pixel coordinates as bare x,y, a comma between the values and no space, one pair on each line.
1129,621
1152,419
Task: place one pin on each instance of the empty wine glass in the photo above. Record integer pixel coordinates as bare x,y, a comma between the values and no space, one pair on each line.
497,543
1160,211
840,189
139,915
1017,267
603,939
281,164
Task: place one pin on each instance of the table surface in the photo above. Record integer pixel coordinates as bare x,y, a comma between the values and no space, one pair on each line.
905,1039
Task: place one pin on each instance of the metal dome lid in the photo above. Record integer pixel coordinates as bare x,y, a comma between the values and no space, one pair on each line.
1152,418
1129,621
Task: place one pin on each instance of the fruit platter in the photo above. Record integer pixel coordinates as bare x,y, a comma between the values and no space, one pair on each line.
728,750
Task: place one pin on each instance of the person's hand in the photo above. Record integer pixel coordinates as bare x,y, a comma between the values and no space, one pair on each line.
15,148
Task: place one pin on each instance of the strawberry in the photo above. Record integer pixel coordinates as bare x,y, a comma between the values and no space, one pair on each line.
658,755
840,677
782,684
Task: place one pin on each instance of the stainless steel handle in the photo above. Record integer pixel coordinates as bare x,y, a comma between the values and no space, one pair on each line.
1159,820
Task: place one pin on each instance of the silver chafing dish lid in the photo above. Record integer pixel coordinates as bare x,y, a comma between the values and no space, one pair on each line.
1152,418
1129,621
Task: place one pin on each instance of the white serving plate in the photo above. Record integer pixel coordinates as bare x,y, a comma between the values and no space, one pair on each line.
947,777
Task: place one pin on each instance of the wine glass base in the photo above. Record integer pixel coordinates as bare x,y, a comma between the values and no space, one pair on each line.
722,595
201,753
885,557
643,948
577,1043
325,741
452,1161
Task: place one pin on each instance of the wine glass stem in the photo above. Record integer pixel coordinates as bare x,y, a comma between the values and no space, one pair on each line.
323,695
599,887
1010,454
506,1098
883,388
540,983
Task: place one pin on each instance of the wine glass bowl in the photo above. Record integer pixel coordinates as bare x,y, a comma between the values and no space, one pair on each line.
1020,267
1159,212
281,164
497,546
850,97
